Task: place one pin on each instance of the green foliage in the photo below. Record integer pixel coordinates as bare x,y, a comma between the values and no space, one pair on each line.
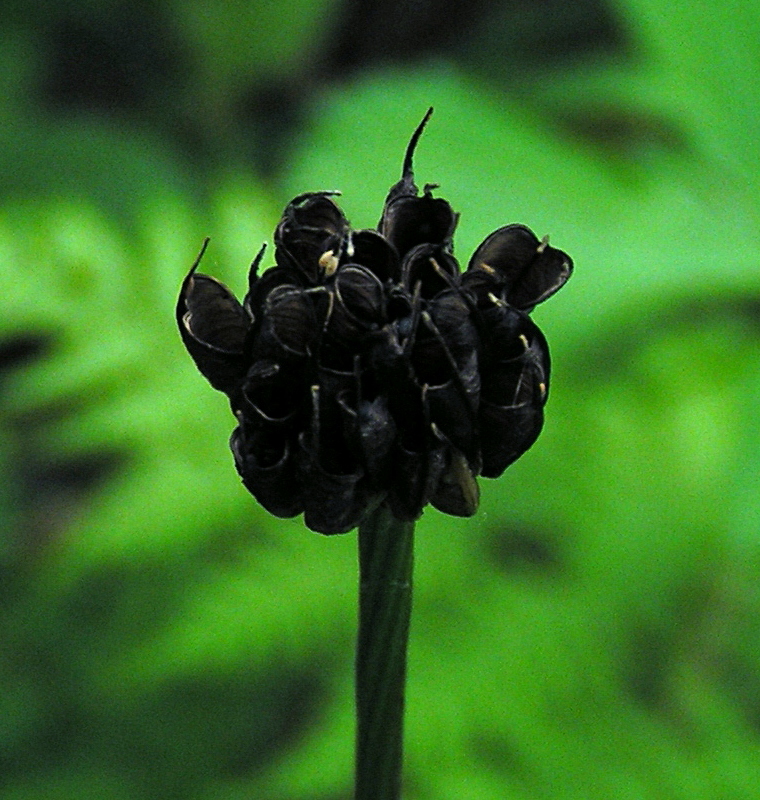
234,42
592,633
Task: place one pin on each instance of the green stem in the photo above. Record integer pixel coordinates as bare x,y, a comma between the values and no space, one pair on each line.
385,604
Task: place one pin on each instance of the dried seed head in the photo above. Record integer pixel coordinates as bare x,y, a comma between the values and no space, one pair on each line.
365,368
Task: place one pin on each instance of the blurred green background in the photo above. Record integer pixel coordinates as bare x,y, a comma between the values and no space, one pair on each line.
594,632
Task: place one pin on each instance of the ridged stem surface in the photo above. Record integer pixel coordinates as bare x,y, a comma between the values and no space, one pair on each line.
385,604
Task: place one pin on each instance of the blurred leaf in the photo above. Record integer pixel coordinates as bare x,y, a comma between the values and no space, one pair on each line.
702,61
93,162
236,42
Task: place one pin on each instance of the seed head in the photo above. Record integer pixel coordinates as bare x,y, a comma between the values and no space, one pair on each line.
364,367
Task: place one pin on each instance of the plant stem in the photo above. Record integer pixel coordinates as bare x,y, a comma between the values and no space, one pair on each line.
385,604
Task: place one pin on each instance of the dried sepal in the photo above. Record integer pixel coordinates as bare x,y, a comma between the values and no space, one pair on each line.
457,492
408,219
507,431
415,476
289,321
335,495
213,326
370,428
524,271
268,468
360,294
308,224
374,252
270,394
432,267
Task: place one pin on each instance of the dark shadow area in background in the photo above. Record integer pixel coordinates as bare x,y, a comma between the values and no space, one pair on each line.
129,62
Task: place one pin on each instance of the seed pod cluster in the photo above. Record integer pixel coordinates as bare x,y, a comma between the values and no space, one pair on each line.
366,367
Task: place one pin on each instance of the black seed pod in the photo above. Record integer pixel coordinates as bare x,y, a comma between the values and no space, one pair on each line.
365,368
